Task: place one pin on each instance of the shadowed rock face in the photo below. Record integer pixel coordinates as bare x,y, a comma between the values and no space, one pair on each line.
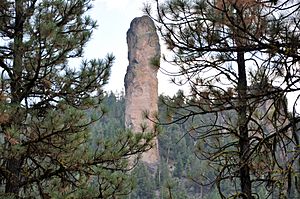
141,79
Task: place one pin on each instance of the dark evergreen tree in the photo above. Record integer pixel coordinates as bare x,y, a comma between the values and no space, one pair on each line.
44,125
145,185
240,60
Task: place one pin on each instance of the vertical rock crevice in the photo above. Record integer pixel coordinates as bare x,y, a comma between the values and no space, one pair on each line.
141,84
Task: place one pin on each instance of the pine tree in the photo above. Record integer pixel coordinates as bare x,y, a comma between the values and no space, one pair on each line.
45,149
237,57
144,182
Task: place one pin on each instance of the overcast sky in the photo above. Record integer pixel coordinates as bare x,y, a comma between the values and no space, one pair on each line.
114,17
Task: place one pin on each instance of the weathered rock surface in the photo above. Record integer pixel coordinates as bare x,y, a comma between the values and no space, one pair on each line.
141,83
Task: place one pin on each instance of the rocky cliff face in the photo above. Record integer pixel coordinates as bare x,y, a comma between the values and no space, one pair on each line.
141,79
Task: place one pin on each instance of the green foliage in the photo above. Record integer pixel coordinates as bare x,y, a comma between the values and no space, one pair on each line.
145,188
51,144
155,62
243,128
177,172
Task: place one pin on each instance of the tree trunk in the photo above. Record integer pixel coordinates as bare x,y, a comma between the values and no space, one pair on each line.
13,165
18,53
12,183
244,143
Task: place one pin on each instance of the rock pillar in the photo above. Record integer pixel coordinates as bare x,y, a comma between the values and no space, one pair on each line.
141,83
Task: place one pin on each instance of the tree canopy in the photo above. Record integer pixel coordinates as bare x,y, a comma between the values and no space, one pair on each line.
240,59
47,106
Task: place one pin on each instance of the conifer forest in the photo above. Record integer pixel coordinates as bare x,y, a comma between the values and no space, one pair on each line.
232,132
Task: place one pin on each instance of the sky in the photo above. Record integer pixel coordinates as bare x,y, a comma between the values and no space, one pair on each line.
114,17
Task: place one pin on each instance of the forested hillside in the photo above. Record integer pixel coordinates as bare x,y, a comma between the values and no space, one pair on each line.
183,172
177,172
